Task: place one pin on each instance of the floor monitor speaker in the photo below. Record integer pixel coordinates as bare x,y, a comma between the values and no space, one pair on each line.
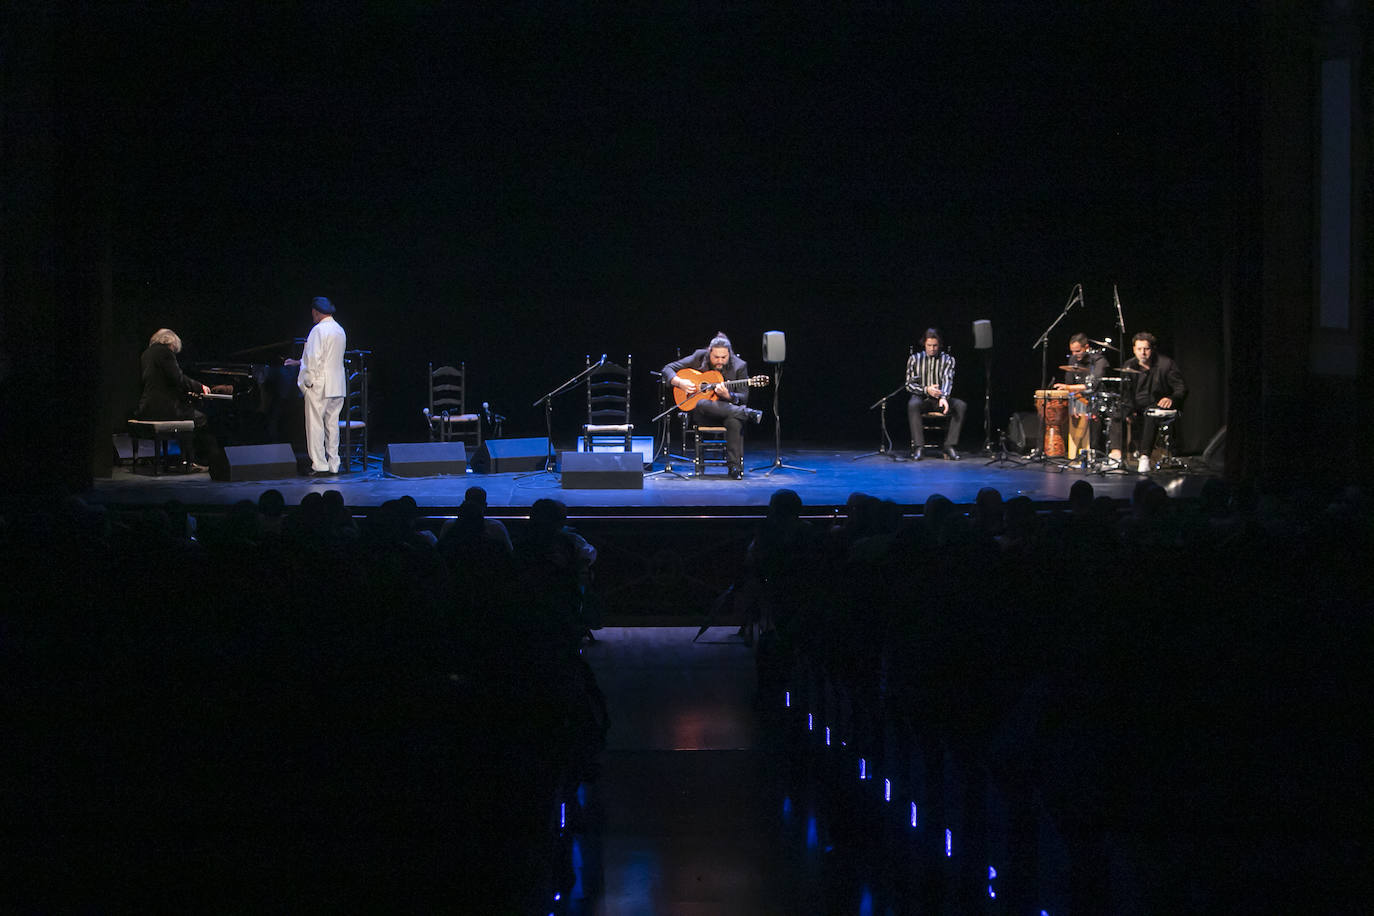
425,459
255,462
602,470
501,456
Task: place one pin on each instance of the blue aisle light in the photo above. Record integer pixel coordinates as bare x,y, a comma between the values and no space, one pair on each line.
562,815
827,736
949,843
863,768
787,699
913,814
887,790
810,722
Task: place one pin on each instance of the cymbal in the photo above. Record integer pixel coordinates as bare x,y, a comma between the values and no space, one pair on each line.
1131,371
1074,368
1109,380
1102,343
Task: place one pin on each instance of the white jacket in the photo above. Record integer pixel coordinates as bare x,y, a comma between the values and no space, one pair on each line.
322,361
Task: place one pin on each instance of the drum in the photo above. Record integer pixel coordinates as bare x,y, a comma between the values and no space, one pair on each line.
1106,403
1053,408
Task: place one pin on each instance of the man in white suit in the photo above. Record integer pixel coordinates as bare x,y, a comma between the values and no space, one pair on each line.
322,381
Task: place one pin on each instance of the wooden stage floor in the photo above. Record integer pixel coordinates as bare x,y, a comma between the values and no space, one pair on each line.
837,474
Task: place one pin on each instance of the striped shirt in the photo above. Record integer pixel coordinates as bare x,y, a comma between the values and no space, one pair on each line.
922,370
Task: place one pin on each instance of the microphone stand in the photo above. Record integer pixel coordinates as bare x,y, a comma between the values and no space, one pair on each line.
1075,298
665,434
547,401
884,440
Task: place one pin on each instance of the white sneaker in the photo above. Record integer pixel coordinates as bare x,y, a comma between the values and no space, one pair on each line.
1144,466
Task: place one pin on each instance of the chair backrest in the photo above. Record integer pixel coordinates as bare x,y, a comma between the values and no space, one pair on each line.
448,389
608,393
355,396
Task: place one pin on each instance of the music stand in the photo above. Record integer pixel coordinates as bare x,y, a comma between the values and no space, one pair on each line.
773,347
884,439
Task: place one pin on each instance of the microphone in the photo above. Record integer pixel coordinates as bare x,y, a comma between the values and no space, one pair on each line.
603,360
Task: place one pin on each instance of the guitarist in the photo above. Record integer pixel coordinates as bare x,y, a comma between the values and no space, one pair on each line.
719,405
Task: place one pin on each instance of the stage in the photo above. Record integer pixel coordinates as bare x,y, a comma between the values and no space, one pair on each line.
832,475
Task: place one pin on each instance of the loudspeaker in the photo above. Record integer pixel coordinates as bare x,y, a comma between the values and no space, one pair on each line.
1023,430
644,445
1214,455
255,462
425,459
982,334
602,470
500,456
774,347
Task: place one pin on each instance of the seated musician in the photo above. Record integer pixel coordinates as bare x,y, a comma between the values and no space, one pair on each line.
929,378
1082,373
165,391
1152,381
723,405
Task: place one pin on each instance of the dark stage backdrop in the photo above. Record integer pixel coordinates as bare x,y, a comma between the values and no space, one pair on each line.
524,186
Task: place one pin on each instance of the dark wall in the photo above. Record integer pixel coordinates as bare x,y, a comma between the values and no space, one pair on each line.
522,187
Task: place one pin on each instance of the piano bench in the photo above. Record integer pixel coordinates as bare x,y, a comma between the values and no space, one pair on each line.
160,432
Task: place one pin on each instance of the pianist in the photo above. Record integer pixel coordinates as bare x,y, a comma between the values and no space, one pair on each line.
165,395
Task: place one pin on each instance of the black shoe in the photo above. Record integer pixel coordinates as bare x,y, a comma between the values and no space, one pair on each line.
737,473
755,416
915,454
314,473
951,454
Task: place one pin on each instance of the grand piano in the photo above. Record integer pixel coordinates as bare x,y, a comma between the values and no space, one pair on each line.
254,395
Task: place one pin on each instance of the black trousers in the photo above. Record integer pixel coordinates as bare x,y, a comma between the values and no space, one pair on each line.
732,417
920,404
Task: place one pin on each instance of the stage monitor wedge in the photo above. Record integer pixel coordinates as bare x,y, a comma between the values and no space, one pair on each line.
502,456
426,459
601,470
274,461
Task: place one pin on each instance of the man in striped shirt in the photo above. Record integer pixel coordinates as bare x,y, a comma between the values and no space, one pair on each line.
929,378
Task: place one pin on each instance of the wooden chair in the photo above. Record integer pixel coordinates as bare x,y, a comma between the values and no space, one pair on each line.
353,418
608,406
447,413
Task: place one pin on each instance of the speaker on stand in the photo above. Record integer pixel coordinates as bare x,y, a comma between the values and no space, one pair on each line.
774,352
982,342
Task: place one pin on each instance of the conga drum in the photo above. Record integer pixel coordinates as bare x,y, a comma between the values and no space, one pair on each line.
1053,408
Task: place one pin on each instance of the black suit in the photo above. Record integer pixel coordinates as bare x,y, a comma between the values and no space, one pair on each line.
165,388
731,414
1143,391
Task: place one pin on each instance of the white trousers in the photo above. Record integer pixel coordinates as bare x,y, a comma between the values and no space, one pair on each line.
322,432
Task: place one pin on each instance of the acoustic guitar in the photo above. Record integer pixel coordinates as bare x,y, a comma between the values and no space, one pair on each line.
705,383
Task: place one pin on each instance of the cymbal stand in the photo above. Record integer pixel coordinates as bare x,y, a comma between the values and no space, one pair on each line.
884,439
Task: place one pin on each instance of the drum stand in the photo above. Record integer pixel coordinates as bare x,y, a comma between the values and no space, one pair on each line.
884,439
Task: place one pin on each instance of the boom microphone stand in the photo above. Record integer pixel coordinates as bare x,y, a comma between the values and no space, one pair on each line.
1075,298
547,401
884,440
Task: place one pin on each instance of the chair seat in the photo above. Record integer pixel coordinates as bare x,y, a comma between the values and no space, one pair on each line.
148,429
352,424
621,428
456,418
